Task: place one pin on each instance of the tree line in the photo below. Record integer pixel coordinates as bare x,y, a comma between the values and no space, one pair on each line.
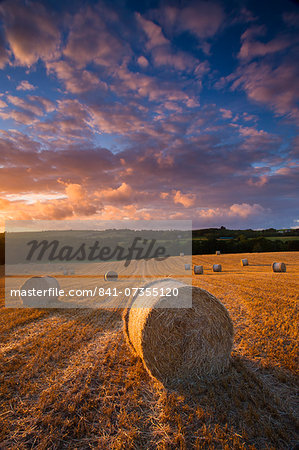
209,240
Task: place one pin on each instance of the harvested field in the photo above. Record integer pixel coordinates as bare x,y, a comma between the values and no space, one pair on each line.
68,379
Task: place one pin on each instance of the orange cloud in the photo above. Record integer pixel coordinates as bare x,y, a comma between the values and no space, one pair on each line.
123,193
187,200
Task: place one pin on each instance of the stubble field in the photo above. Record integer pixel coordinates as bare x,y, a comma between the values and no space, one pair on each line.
68,380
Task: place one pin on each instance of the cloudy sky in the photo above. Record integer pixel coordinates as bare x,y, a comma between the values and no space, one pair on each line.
150,110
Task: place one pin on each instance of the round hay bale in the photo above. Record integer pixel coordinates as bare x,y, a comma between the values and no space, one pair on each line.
218,252
198,270
180,345
110,276
217,268
279,267
35,301
187,267
244,262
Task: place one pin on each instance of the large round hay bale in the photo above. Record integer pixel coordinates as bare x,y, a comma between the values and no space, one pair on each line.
217,268
180,345
198,270
35,301
279,267
111,276
244,262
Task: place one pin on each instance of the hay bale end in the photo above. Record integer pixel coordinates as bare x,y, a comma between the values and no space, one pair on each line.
180,345
198,270
217,268
279,267
111,276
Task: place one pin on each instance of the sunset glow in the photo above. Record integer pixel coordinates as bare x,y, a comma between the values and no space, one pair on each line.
150,110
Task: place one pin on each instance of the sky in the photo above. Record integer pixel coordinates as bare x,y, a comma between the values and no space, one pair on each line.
150,110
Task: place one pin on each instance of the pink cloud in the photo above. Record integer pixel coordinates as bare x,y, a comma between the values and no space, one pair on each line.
32,33
120,119
142,61
160,47
251,131
25,105
277,88
2,104
19,116
258,182
226,113
154,32
251,48
187,200
76,80
123,193
31,109
164,56
203,19
25,86
43,102
81,202
90,40
243,210
290,170
147,86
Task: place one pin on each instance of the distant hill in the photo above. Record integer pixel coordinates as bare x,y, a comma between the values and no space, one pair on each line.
208,240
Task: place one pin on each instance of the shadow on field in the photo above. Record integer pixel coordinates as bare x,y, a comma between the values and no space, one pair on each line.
240,400
102,397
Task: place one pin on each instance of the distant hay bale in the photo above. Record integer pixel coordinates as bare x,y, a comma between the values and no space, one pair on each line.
217,268
180,345
110,276
187,267
198,270
37,283
218,252
244,262
182,254
279,267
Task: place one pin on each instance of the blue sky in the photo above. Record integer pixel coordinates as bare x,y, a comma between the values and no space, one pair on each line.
150,110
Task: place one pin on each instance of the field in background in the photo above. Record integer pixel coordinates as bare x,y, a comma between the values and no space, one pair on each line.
67,379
